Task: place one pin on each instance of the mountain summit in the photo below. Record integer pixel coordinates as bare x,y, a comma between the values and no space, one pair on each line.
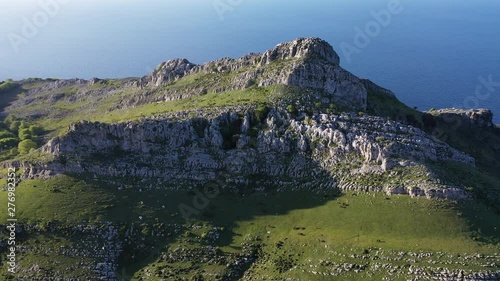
309,63
275,165
305,48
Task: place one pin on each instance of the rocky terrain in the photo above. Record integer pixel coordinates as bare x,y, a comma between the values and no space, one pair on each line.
195,150
287,120
310,63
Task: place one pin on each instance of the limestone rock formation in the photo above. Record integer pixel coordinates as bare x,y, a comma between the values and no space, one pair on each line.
309,63
470,117
196,150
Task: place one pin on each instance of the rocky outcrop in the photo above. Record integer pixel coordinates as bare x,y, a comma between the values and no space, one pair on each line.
308,63
169,71
309,151
469,117
302,48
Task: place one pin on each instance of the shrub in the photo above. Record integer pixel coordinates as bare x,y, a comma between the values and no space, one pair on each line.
6,134
8,142
261,113
35,130
7,86
14,126
23,125
26,145
380,139
291,109
13,152
24,134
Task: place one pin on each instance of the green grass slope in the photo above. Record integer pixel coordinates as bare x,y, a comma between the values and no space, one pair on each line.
295,238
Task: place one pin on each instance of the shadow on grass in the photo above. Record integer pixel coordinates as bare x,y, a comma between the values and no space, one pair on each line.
7,96
483,221
157,207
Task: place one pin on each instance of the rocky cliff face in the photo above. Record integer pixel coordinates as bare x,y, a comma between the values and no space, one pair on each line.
323,151
473,117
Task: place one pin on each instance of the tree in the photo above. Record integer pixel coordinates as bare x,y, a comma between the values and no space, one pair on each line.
24,133
26,145
14,126
8,142
23,125
6,134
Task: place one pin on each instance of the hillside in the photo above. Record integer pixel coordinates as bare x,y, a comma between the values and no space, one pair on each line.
271,166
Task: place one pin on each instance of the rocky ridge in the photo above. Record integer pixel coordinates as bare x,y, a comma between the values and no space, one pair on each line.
308,63
285,151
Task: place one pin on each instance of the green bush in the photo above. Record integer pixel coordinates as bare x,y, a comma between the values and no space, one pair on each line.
261,112
14,126
24,134
35,130
8,142
6,134
13,152
26,146
7,86
23,125
291,109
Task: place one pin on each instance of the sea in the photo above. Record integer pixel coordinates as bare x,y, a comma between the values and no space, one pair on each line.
431,54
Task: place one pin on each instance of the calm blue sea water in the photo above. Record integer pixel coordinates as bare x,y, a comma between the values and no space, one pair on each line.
430,53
